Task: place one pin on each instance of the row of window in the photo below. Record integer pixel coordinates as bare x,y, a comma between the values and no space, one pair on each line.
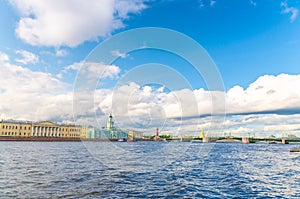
13,127
74,135
54,135
15,134
65,129
51,135
71,130
16,127
28,134
75,130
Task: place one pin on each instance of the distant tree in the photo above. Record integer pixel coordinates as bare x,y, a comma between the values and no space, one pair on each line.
165,136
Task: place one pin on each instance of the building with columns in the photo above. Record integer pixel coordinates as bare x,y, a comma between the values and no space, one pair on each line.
40,129
47,129
50,129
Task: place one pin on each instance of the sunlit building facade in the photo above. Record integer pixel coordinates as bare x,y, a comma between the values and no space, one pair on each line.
90,132
39,129
110,131
135,135
13,128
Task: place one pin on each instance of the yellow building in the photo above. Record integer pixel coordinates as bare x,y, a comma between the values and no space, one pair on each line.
39,129
15,128
83,132
50,129
135,135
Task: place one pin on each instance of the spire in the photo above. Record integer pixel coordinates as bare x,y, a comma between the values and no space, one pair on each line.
156,134
110,123
202,133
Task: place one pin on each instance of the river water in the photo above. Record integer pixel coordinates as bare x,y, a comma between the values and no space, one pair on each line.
148,169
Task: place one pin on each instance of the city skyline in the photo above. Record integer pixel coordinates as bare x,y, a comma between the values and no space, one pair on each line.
253,43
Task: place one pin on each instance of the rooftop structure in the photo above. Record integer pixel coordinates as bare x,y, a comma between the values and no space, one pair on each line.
110,132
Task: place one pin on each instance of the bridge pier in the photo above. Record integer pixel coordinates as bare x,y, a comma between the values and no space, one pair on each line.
245,140
206,139
283,141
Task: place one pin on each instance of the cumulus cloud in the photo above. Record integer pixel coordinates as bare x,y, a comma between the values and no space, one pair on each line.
260,109
262,125
289,10
266,95
264,103
3,57
93,70
27,57
32,95
133,105
61,53
118,54
65,23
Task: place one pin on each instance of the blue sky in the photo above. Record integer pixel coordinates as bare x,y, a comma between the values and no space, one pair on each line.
231,32
252,42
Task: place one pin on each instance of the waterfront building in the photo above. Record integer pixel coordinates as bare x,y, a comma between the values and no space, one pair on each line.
90,132
102,133
50,129
135,135
87,132
39,129
15,128
110,131
47,129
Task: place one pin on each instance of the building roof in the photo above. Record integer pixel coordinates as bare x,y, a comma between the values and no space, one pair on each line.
16,121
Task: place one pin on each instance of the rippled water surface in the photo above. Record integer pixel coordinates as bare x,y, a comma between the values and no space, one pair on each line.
148,169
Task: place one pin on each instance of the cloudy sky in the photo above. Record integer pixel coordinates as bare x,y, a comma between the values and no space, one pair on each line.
49,70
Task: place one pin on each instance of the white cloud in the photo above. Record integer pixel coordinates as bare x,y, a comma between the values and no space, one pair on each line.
93,70
61,23
264,125
267,93
27,57
264,103
270,105
61,53
238,131
32,95
282,128
118,54
3,57
289,10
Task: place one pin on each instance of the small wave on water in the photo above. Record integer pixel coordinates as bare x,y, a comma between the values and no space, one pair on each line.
69,170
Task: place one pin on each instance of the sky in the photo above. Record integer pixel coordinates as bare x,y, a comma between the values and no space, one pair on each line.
230,67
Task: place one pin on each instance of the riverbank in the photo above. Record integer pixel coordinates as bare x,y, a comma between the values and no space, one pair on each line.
38,139
60,139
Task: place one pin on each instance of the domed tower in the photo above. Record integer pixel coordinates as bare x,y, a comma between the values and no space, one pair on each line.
110,123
